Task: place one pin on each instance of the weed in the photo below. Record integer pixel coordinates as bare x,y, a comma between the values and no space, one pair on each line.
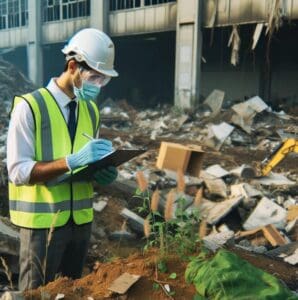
176,231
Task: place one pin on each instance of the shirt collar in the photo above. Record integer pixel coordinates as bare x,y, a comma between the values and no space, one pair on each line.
61,98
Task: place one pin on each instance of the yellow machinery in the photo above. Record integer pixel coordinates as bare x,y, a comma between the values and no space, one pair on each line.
289,145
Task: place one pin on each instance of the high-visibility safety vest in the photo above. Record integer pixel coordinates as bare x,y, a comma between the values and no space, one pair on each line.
42,205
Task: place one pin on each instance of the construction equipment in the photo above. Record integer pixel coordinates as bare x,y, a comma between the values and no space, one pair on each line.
278,154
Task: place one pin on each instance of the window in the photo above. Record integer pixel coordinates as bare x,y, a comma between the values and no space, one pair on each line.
13,13
54,10
154,2
124,4
51,10
3,14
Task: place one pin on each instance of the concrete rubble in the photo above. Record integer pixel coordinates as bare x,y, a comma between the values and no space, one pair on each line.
229,188
240,190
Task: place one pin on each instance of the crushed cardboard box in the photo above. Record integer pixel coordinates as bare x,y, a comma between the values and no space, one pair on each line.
173,156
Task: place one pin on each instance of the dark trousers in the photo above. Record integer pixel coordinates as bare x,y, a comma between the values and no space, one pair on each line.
66,253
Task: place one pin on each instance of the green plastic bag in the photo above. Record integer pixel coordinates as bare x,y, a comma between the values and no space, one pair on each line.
228,277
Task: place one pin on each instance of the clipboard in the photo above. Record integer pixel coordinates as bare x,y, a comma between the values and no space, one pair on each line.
115,159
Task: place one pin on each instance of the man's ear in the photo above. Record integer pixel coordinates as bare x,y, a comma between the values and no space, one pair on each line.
72,66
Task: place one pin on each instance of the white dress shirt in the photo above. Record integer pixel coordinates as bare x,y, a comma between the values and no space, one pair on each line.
21,136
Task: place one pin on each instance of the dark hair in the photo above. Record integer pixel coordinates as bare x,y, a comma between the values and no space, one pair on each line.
82,64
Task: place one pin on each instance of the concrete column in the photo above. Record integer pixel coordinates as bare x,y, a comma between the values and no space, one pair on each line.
34,43
188,53
99,15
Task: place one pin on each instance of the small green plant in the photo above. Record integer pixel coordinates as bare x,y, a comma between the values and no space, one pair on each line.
177,230
162,266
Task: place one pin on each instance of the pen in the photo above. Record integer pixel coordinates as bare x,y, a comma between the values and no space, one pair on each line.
88,136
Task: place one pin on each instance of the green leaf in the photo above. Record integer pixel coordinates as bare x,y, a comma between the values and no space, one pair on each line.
162,266
173,276
155,286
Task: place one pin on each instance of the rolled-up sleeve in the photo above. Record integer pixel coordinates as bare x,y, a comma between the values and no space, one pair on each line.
20,144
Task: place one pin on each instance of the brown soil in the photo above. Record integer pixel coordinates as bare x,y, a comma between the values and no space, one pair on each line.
96,284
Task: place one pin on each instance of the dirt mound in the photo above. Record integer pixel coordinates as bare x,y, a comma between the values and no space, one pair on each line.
96,284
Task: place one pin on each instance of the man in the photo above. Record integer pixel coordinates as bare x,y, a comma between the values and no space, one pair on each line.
47,138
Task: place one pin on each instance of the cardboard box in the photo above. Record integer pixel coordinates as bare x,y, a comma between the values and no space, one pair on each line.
175,157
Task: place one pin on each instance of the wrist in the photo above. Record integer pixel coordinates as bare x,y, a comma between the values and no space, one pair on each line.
71,162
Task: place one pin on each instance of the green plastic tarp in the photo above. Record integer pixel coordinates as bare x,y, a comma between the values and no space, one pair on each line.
228,277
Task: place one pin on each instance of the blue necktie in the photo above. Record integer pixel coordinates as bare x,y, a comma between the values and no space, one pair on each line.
71,124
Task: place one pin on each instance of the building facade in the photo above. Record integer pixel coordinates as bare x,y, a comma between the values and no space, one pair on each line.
166,50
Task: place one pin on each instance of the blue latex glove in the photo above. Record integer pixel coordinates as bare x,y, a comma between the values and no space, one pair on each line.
106,176
91,152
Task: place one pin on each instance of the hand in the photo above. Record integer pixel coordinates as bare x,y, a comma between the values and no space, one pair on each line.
94,150
106,176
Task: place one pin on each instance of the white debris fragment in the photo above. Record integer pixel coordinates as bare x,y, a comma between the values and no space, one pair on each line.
214,101
275,179
100,205
292,259
266,212
217,240
217,171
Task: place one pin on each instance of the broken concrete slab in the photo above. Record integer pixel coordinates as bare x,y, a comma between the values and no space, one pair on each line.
265,213
245,190
213,212
217,171
274,179
246,111
217,240
292,259
216,187
136,222
214,101
217,134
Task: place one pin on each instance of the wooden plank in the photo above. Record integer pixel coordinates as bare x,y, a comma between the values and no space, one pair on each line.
273,236
292,213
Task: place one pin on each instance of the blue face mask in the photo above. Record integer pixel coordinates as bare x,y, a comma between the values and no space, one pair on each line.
87,91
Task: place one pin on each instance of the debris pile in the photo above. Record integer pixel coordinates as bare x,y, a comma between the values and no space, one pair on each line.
218,148
255,213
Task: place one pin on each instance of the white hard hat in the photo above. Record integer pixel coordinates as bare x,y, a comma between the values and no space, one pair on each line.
93,47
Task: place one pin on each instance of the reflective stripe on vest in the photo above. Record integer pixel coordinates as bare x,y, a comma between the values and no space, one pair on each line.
34,206
48,207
